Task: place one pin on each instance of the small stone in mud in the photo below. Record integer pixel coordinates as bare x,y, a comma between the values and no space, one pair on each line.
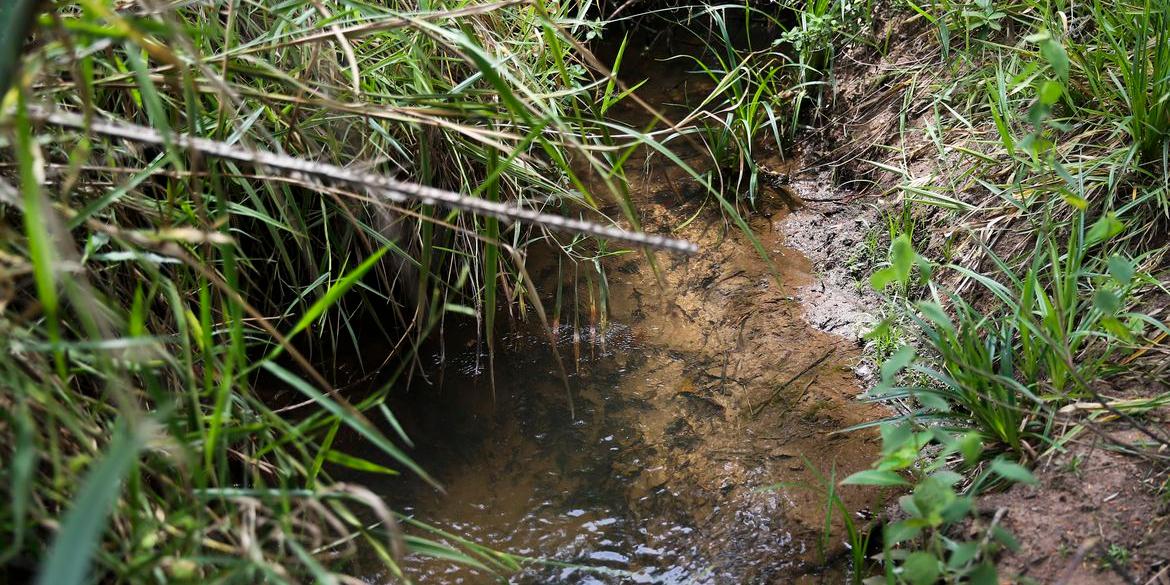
648,482
863,371
609,556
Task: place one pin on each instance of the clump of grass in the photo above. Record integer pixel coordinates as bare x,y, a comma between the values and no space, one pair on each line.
155,293
1035,316
748,101
1034,342
765,95
1043,120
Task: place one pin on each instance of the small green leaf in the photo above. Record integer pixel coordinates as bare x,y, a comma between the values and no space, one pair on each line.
1037,112
901,532
961,554
907,503
1104,228
947,476
935,314
932,401
875,477
1078,202
920,568
902,257
882,278
1002,536
896,363
1106,301
1050,92
894,436
1117,328
956,510
970,447
931,497
985,574
1121,269
879,331
902,260
1012,471
1056,56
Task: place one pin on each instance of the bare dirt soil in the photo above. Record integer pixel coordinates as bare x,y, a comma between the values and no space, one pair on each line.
1096,516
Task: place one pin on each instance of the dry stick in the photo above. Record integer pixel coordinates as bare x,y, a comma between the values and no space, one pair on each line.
395,191
799,374
1143,350
1162,576
990,531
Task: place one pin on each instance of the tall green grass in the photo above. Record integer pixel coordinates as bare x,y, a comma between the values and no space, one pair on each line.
160,303
768,72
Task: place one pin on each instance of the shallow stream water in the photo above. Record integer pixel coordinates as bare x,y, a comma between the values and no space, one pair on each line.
694,438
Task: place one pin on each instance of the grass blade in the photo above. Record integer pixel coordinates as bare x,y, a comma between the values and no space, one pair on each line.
71,554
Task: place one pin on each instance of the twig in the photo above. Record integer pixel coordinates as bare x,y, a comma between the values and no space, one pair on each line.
799,374
1160,577
1128,404
1071,568
1143,350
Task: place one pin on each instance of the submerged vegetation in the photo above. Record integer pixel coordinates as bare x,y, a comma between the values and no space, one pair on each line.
173,304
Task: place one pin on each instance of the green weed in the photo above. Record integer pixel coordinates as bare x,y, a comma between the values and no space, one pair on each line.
170,312
1047,149
921,548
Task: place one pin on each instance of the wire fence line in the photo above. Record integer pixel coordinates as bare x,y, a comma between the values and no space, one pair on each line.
395,191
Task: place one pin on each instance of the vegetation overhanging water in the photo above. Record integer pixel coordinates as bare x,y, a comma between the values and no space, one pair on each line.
234,234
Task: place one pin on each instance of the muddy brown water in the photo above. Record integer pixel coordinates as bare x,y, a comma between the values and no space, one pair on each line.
704,390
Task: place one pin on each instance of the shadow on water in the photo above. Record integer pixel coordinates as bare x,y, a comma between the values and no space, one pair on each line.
588,492
657,477
523,476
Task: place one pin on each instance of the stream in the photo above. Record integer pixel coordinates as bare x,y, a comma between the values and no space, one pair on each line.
701,429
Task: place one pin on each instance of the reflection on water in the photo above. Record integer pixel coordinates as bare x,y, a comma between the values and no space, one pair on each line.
523,476
649,482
